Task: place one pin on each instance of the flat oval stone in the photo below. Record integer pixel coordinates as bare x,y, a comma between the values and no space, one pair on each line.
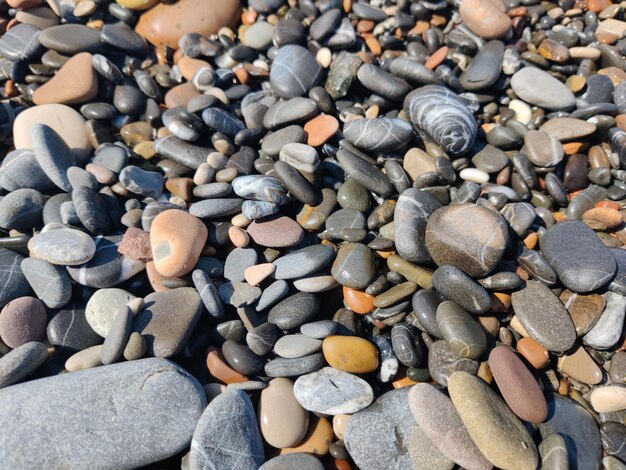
383,83
289,111
294,311
544,317
485,67
69,39
21,42
565,129
165,24
437,418
539,88
302,262
467,236
332,392
458,287
464,335
52,154
606,332
275,232
493,427
354,266
21,362
241,358
405,347
283,421
168,320
608,399
126,398
375,436
517,385
582,262
281,367
487,19
350,354
227,434
294,71
365,173
21,209
260,188
578,427
63,246
296,345
378,135
442,116
410,215
443,362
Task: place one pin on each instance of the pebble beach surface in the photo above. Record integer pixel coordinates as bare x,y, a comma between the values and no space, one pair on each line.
308,235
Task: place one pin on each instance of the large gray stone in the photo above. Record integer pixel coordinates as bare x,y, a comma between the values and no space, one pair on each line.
227,435
124,415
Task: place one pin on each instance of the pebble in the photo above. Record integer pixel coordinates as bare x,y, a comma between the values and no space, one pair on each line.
296,345
69,331
517,385
608,399
437,418
582,262
294,71
21,362
332,392
227,434
486,19
117,337
579,365
378,135
75,83
539,88
103,306
114,396
553,452
550,326
457,286
365,173
493,427
458,328
22,320
350,354
606,332
410,216
63,246
440,115
294,311
282,420
354,266
475,238
275,232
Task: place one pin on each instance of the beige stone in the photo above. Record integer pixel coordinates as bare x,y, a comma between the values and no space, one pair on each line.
75,83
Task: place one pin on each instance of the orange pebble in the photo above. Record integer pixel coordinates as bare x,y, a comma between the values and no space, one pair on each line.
365,26
607,38
570,148
437,58
519,11
419,28
372,44
620,121
610,218
597,6
500,302
559,216
248,17
340,465
238,236
402,381
320,129
220,369
358,301
563,387
530,241
533,352
608,205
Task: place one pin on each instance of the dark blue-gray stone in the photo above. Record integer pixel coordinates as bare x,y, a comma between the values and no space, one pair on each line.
294,71
21,42
378,135
410,215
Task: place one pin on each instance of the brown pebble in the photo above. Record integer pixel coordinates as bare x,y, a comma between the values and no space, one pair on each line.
75,83
136,244
255,275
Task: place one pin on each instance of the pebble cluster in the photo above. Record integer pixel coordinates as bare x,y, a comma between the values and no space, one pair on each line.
281,235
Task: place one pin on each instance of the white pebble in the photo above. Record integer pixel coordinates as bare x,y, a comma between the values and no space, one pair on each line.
523,112
474,175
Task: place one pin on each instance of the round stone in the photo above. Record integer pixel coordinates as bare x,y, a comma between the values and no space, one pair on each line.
23,320
350,354
103,306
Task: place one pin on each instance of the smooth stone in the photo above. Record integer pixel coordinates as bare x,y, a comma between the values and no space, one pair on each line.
350,354
294,311
375,436
405,347
69,39
52,154
353,195
299,460
539,88
272,294
474,241
260,188
542,149
458,287
413,71
424,454
227,434
425,303
613,435
215,208
180,151
128,399
608,399
92,210
69,331
579,429
20,170
618,283
275,232
354,266
296,345
607,331
22,209
21,42
238,294
490,159
378,135
580,259
443,362
102,307
303,262
75,83
117,337
544,317
21,362
166,24
365,173
553,451
176,251
332,392
411,213
346,224
565,129
437,418
294,71
283,421
168,320
222,121
464,335
144,183
281,367
274,142
319,329
579,365
22,321
383,83
261,339
314,217
519,215
289,112
63,246
485,67
486,19
439,114
86,359
123,37
517,385
237,262
241,358
491,424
